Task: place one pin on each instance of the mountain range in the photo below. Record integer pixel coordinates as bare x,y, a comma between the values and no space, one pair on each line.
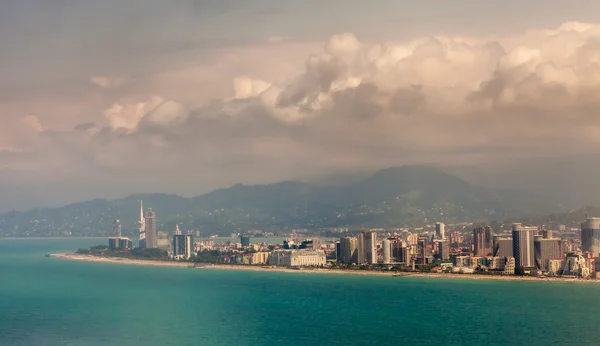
407,196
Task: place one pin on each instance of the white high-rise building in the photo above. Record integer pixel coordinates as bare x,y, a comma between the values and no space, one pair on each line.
440,230
142,227
386,249
367,247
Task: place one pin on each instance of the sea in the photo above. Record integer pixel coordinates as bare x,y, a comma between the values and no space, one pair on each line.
49,301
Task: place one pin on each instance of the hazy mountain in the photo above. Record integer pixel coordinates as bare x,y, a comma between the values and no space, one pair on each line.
393,197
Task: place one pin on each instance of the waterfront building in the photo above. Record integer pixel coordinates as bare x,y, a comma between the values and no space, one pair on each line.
113,243
576,266
509,266
260,258
117,229
404,253
245,240
544,250
444,250
497,263
142,227
348,250
297,258
461,261
554,266
502,247
162,240
386,249
367,247
523,250
440,230
590,236
182,246
482,241
371,247
119,243
151,240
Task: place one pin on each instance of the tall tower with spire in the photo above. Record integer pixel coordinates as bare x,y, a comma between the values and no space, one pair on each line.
142,227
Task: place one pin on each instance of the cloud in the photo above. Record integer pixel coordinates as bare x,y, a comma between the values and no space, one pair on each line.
352,105
106,82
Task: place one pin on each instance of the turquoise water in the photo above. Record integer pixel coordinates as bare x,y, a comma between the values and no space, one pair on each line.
47,301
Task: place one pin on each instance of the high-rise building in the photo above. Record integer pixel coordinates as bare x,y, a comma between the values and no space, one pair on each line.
404,253
142,227
444,250
371,247
361,251
590,236
245,240
547,234
348,250
183,245
117,229
502,247
482,241
367,247
523,250
546,249
440,230
386,250
162,240
151,239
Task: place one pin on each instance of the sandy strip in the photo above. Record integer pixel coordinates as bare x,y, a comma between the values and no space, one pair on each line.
90,258
399,274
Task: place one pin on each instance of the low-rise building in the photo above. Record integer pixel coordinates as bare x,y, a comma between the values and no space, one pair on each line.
554,266
509,266
297,258
119,243
260,257
461,261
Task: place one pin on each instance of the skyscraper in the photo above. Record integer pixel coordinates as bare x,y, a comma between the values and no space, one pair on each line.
142,227
546,249
440,230
348,250
245,240
361,256
182,246
482,241
503,247
444,250
590,236
386,250
117,228
151,238
371,247
367,247
523,246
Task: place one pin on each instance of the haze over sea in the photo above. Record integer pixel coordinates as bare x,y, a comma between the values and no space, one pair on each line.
47,301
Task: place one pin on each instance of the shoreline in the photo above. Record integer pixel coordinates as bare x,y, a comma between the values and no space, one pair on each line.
91,258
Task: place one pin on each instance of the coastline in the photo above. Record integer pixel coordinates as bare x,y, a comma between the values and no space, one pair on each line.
91,258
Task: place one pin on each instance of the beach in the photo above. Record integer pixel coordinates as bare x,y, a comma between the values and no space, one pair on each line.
90,258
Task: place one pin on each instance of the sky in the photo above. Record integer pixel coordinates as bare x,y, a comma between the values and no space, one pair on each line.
101,99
